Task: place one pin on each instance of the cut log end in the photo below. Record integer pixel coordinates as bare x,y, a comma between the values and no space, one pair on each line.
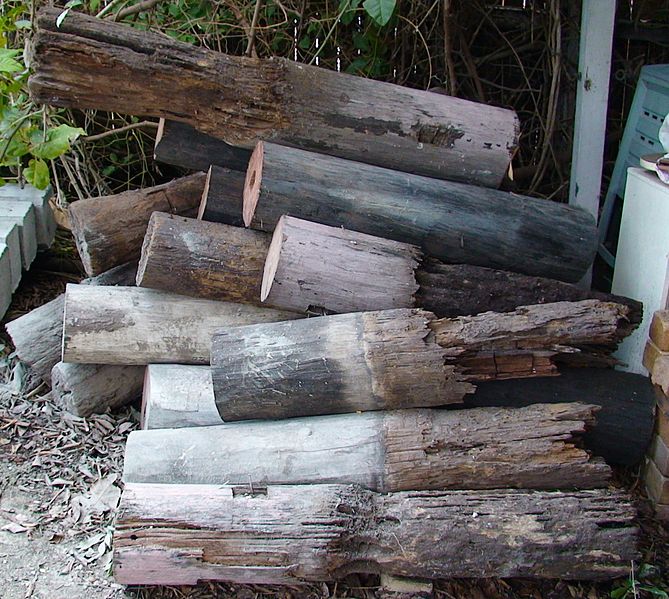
146,249
272,260
252,184
205,194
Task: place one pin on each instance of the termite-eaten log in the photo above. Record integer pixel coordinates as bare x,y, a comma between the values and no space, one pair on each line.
451,221
180,144
624,422
38,335
484,448
310,265
184,534
178,396
398,358
201,259
109,230
83,62
134,326
85,389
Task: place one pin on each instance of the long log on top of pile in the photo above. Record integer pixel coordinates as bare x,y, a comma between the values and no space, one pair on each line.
178,396
484,448
329,269
396,358
132,326
181,145
85,62
450,221
85,389
38,335
109,230
182,534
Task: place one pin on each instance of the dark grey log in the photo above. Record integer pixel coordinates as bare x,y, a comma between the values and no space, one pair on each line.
181,145
183,534
451,221
624,423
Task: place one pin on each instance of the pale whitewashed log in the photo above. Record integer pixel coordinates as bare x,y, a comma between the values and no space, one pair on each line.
178,395
334,364
11,237
38,335
531,447
131,325
85,389
22,214
310,265
184,534
45,221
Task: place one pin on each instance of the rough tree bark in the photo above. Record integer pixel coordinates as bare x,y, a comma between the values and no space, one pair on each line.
182,534
109,231
484,448
133,326
90,63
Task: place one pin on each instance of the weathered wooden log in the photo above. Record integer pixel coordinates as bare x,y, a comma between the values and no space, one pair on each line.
109,231
483,448
223,196
624,422
38,335
310,265
133,326
450,221
85,389
89,63
177,396
180,144
201,259
331,365
183,534
398,358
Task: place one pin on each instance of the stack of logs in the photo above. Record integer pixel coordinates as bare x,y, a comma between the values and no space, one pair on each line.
291,371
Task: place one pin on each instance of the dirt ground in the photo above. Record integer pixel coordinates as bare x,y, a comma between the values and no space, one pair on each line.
60,486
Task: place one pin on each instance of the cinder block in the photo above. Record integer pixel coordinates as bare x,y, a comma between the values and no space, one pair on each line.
10,236
659,453
659,329
5,280
44,218
657,485
23,214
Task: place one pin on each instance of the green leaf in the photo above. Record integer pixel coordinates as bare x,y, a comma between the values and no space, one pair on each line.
58,140
305,43
348,8
620,592
358,66
22,24
37,173
380,10
7,62
654,591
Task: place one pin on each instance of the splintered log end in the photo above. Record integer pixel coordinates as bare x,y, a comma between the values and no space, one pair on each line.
159,136
146,394
252,183
272,260
146,248
205,195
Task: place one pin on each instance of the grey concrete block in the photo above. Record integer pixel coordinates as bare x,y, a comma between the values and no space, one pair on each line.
45,221
5,280
11,236
23,214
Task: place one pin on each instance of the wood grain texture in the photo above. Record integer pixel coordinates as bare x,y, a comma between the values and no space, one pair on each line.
109,230
332,364
532,447
223,196
90,63
313,266
183,534
85,389
625,419
177,396
135,326
38,335
180,144
450,221
203,260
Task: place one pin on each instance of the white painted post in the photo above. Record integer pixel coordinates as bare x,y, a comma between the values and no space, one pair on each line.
592,97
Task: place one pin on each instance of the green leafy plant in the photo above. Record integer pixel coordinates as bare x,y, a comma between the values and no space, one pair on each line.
645,579
380,10
30,136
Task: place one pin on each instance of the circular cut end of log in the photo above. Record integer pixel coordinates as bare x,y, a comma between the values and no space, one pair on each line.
272,260
205,195
252,183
